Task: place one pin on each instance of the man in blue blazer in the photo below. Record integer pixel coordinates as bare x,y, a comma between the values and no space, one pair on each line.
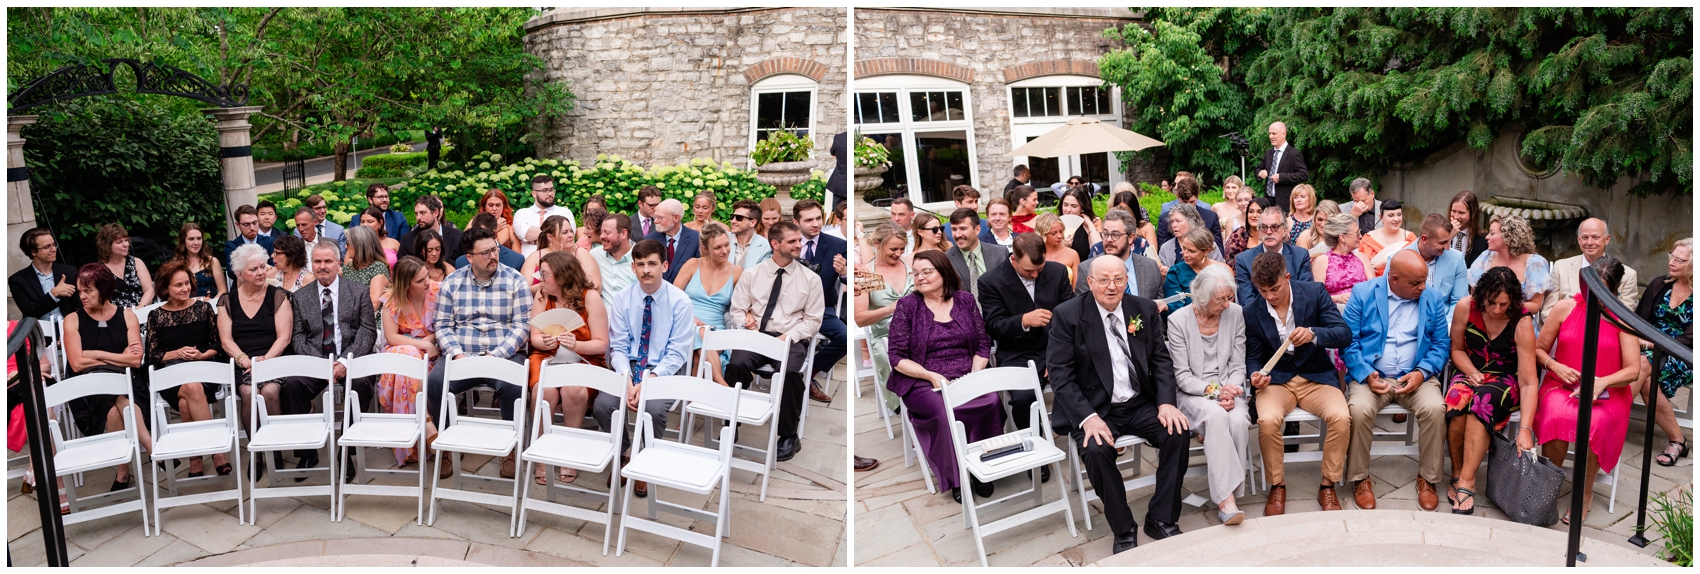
824,254
679,241
1400,342
248,231
1279,309
1274,226
1187,193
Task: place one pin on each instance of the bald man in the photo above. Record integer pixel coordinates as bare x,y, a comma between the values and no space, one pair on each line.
1592,237
679,241
1399,346
1283,166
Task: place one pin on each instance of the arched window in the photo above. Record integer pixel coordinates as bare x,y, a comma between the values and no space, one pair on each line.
927,123
782,102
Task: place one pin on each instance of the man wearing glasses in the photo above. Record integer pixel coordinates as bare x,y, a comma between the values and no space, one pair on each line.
748,247
248,231
46,289
1273,227
395,224
1143,277
643,222
528,222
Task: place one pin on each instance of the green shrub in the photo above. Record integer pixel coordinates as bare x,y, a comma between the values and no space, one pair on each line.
814,188
870,153
391,165
101,160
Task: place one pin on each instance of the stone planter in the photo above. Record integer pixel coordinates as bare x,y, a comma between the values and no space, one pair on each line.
783,175
869,177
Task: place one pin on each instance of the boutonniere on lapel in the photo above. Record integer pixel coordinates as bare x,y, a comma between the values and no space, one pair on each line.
1133,326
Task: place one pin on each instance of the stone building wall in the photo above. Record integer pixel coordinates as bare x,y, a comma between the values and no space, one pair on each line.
987,42
663,85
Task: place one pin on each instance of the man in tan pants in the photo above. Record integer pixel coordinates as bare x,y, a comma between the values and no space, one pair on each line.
1280,309
1399,345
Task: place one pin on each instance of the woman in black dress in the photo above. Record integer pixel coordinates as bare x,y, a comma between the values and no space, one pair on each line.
208,275
180,331
254,325
134,288
103,338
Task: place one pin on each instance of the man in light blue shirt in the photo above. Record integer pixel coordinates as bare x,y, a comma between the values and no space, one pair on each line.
649,334
1446,270
615,263
748,247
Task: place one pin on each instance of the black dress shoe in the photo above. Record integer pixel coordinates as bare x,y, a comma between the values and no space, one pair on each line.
788,448
117,486
349,464
306,462
956,494
1159,530
1290,429
981,489
1045,474
1125,542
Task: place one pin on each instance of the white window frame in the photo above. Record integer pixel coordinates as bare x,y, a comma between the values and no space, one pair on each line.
907,127
1022,128
779,84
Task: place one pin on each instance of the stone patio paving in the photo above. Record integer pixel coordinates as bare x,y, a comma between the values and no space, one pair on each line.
802,523
899,524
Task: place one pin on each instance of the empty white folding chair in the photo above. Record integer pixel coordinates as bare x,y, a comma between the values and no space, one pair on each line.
380,430
755,408
584,450
193,439
473,435
72,456
1042,451
666,464
275,433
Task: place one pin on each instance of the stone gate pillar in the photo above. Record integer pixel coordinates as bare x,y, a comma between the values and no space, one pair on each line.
236,161
20,205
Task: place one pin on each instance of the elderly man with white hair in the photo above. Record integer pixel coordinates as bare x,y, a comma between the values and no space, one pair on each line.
1592,237
1207,344
679,241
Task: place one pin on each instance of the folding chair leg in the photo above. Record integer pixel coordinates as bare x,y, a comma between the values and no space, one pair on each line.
241,513
136,472
418,519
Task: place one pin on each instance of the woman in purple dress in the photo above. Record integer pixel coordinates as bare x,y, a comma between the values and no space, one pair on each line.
937,335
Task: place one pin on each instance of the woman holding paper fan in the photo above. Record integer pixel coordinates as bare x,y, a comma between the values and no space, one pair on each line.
709,281
409,307
565,286
1207,344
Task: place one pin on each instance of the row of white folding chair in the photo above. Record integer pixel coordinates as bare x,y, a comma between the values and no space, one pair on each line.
276,433
179,440
1134,444
77,455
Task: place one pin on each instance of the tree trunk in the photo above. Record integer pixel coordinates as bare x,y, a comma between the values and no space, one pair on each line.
340,172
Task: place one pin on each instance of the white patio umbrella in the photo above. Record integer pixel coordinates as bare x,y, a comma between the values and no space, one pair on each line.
1083,136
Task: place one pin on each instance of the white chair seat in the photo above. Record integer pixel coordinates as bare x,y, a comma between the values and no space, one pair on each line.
372,431
92,453
289,432
1044,452
581,450
477,436
185,442
689,468
753,409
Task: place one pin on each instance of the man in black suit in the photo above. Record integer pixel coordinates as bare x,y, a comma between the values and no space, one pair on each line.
46,288
248,231
837,184
1022,176
1112,376
1273,223
428,214
643,222
1283,166
825,255
971,257
1186,191
679,241
1016,299
351,333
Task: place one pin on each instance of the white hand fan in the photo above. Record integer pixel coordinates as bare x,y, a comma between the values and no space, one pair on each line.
558,321
1070,223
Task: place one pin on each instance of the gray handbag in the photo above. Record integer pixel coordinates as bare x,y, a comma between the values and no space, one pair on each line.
1523,484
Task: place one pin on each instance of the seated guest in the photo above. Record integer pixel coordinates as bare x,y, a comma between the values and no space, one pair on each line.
305,228
1554,412
1493,348
1112,376
1247,235
1283,310
1186,192
966,197
702,211
710,281
44,290
1195,244
875,306
1235,197
780,297
410,307
997,229
1399,345
291,271
180,331
1024,201
256,322
565,286
1512,244
1207,343
373,219
771,214
248,232
679,243
1376,245
364,263
1466,215
1592,236
1182,218
526,222
428,247
135,287
1079,202
1446,273
654,308
927,353
748,246
1669,306
267,212
589,232
824,255
1301,207
556,235
393,222
1050,227
1343,266
1017,298
1144,276
351,332
207,274
971,257
102,337
495,203
482,309
428,212
1144,241
1311,239
1272,231
929,235
324,228
508,257
614,257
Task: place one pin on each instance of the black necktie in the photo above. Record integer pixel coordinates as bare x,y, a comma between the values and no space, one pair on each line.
327,313
772,300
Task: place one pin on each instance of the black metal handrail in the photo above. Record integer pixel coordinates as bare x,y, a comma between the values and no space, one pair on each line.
28,338
1603,303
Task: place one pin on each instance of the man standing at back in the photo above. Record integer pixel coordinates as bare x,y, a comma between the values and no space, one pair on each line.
528,222
971,257
1016,297
1283,166
679,243
1022,176
395,224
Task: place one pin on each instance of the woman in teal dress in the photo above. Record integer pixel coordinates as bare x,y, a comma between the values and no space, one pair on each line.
874,308
1669,305
709,281
1195,246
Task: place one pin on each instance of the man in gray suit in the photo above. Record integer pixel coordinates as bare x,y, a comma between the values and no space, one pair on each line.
350,331
1143,277
972,257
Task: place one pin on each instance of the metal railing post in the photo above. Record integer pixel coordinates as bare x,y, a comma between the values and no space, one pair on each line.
24,344
1584,418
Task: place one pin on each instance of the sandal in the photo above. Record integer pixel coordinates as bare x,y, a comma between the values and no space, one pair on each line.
1465,494
1667,459
567,475
541,477
1566,518
223,469
1452,486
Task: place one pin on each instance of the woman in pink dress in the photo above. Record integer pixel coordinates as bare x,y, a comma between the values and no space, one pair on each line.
409,307
1342,266
1556,411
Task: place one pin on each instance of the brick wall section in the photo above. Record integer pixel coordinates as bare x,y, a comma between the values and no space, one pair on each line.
1020,72
658,88
922,66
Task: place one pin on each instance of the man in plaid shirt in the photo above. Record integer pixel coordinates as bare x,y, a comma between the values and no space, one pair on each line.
483,309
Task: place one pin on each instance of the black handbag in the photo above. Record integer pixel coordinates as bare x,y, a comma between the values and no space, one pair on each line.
1523,484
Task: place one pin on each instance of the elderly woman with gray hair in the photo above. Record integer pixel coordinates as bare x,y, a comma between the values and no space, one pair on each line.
1182,217
1207,344
255,322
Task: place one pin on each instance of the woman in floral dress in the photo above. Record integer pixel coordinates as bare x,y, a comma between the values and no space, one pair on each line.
409,307
1493,350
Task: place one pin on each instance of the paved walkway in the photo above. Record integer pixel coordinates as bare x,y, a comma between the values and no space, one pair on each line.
899,524
802,523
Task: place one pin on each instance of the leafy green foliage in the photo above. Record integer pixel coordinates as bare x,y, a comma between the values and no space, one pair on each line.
1673,517
1604,92
782,146
814,188
392,165
102,160
870,153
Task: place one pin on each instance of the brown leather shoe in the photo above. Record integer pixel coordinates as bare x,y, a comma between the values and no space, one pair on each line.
641,490
1277,504
865,464
819,394
1426,498
1328,497
508,466
445,466
1364,494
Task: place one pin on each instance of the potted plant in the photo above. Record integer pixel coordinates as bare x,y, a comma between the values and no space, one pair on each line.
782,160
872,159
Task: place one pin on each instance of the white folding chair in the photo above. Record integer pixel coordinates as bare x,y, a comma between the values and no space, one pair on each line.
755,408
474,435
681,465
584,450
72,456
1042,451
912,451
274,433
808,383
194,439
379,430
1297,416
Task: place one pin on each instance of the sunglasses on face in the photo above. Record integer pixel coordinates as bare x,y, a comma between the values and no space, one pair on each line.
932,229
741,217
